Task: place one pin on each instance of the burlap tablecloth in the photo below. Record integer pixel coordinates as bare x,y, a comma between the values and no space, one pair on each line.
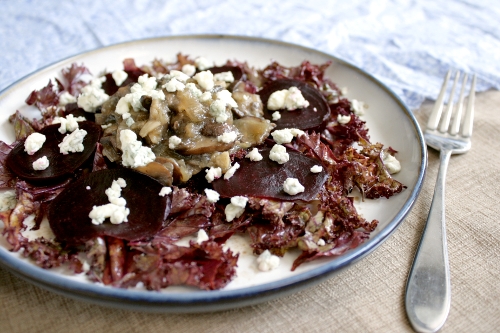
368,297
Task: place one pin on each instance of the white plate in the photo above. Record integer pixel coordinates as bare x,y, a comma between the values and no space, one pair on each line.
389,121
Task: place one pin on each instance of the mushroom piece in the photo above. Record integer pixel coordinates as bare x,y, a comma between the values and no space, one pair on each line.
162,172
248,104
253,130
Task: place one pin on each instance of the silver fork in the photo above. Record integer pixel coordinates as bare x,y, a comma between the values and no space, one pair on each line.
428,289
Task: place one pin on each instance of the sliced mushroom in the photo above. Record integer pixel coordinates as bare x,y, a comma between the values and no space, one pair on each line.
159,171
248,104
253,130
203,145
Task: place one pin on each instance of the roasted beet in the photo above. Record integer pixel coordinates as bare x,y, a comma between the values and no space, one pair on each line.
69,217
237,72
60,166
264,179
315,116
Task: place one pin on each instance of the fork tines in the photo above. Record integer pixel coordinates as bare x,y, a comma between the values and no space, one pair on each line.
443,122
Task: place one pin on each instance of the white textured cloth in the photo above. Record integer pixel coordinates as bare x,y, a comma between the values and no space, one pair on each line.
408,45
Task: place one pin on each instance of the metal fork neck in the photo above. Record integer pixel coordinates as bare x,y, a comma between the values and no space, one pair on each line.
428,292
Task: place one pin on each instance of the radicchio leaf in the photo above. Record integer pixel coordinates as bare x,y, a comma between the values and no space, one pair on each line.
190,212
47,98
342,244
159,265
76,77
7,178
22,126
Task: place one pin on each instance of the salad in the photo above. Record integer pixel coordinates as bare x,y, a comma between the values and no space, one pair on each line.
122,166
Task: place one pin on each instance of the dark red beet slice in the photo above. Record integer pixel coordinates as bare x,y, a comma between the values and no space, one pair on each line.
69,218
314,117
60,166
109,86
265,178
72,108
237,72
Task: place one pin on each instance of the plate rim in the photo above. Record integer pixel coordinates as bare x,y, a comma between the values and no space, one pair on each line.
197,300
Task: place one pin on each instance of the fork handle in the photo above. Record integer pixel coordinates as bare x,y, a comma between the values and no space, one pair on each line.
428,289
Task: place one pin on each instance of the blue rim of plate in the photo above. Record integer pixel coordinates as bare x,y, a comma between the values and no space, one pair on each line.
205,301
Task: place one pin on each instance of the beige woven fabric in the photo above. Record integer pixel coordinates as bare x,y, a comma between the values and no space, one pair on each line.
368,297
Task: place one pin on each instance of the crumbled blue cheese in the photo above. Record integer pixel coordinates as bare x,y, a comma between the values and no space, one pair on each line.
289,99
278,154
34,142
134,154
321,242
206,96
146,86
119,76
205,80
73,143
218,111
276,116
174,141
227,137
212,174
193,89
226,96
201,236
178,75
286,135
292,186
66,98
116,209
276,100
316,169
224,76
212,196
165,191
7,200
41,164
358,107
202,63
341,119
92,96
391,163
68,124
188,69
254,155
230,172
235,208
267,261
174,85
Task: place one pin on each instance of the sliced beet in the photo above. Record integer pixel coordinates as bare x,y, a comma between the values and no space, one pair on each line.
69,218
237,72
265,178
60,166
313,117
72,108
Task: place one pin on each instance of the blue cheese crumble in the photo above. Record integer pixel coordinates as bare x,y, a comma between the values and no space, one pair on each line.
134,154
278,154
34,142
236,208
73,143
116,209
289,99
